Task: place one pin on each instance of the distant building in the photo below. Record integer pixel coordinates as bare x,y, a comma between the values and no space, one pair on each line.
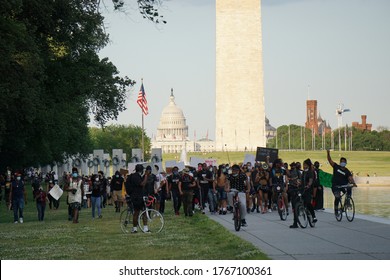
172,132
314,120
364,125
270,131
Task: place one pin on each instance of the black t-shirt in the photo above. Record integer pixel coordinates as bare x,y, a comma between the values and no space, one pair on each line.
238,182
340,177
97,188
173,180
205,174
116,183
306,176
133,185
277,177
149,187
186,181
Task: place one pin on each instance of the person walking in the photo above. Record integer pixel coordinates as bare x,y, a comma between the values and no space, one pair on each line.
75,194
173,187
40,197
186,188
96,196
18,198
116,186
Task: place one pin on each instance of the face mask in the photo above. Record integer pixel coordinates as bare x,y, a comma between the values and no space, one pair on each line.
343,164
211,170
74,175
18,178
224,170
235,175
117,176
306,169
97,179
229,172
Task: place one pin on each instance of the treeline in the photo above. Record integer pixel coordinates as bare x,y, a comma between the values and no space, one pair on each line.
296,137
126,137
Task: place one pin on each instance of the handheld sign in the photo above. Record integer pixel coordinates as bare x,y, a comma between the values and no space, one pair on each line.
262,153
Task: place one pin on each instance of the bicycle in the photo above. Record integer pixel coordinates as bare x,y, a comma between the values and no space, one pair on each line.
282,209
348,207
236,210
304,216
150,217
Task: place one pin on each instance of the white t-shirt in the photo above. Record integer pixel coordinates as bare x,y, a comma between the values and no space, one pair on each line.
77,186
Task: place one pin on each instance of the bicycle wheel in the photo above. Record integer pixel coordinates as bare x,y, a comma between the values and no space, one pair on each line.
237,217
310,218
282,209
126,219
301,215
349,208
154,221
338,211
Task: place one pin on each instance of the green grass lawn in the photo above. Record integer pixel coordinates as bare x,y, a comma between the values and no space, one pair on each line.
361,163
56,238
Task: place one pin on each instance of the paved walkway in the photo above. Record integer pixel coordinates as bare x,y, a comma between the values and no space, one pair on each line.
366,238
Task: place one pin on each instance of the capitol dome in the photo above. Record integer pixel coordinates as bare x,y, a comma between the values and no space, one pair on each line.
172,123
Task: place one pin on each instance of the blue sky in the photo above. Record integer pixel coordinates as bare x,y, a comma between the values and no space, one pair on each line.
338,47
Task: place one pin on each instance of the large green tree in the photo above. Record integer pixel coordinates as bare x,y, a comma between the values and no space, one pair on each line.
51,77
119,137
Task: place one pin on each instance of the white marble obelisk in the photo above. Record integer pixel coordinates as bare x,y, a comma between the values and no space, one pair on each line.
240,116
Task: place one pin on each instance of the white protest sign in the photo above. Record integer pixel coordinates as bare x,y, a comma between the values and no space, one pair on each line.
56,192
170,163
211,161
194,161
249,158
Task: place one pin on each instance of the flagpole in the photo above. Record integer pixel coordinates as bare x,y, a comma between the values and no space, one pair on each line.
142,138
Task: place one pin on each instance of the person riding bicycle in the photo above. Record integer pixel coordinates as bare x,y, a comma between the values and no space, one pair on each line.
278,179
308,177
341,176
135,188
239,181
294,182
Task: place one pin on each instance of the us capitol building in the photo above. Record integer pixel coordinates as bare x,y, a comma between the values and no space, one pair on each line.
172,132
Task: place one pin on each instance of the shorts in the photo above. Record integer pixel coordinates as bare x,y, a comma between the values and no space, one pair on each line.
222,195
75,206
138,203
117,195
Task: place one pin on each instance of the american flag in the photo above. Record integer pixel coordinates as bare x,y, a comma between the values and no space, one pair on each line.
142,102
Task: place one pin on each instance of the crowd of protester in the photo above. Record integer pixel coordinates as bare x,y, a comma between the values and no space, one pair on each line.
203,188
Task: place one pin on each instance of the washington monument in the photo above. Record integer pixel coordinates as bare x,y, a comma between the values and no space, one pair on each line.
240,116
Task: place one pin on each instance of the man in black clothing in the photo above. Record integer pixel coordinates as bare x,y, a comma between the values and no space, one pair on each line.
205,181
173,187
116,187
341,176
186,186
135,188
319,195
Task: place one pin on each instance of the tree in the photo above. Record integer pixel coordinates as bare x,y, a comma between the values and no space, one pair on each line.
52,77
119,137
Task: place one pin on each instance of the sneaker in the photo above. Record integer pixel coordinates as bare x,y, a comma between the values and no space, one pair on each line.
203,212
315,220
15,222
220,212
134,230
100,216
253,209
244,224
257,210
287,213
21,220
146,229
269,210
294,226
224,212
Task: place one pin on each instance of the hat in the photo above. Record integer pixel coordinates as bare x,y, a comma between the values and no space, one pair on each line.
74,169
186,170
148,167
